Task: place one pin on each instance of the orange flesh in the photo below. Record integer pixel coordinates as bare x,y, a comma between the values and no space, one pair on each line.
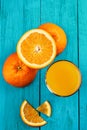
63,78
31,114
35,46
43,108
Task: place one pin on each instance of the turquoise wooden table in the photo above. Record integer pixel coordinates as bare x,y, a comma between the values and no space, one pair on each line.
18,16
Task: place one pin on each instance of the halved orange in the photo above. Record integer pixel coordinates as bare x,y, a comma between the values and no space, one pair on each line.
36,48
30,116
57,33
45,108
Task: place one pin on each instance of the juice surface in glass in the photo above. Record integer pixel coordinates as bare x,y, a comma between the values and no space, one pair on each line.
63,78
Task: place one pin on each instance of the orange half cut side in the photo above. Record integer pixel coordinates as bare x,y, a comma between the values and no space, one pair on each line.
36,48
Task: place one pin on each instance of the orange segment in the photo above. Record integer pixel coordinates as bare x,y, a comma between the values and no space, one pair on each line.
45,108
30,116
36,48
57,33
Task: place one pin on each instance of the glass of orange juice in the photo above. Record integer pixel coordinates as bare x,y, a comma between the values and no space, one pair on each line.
63,78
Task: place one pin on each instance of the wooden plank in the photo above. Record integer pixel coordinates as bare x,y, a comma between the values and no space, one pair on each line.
17,17
82,10
64,110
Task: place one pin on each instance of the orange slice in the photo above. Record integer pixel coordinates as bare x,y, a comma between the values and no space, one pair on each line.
45,108
36,48
57,33
30,116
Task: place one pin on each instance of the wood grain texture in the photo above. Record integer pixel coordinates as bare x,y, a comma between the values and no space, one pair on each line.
65,110
16,18
82,10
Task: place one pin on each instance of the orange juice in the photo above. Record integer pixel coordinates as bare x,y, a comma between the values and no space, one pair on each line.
63,78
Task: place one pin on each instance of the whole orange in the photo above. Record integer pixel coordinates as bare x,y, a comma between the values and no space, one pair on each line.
57,33
17,73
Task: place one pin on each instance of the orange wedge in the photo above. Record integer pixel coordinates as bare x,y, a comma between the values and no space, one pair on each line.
45,108
36,48
30,116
